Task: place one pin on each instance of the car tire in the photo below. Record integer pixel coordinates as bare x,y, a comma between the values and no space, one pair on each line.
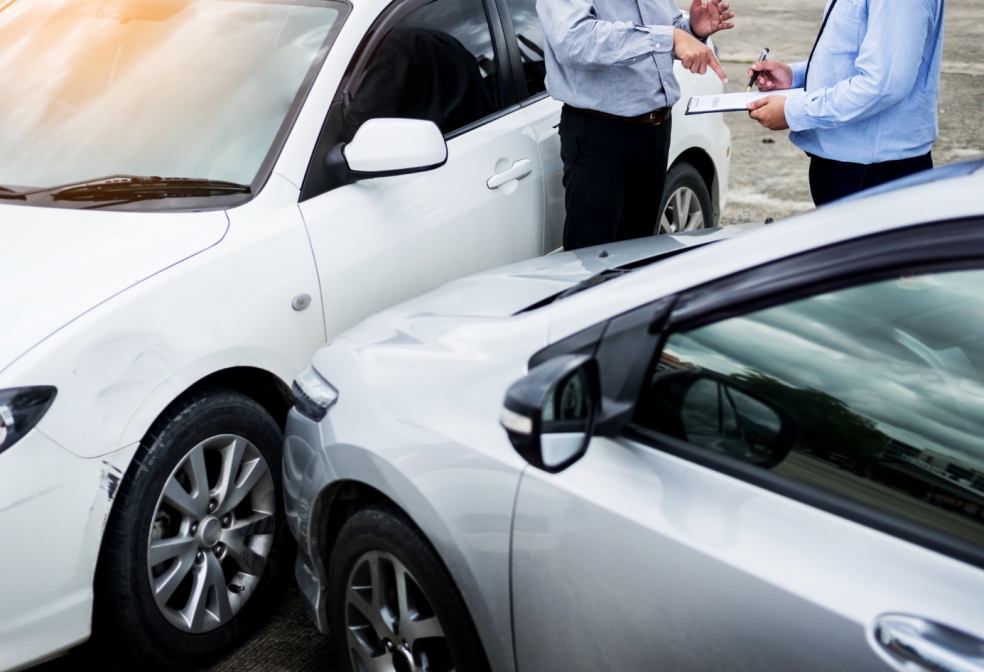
686,202
227,546
380,561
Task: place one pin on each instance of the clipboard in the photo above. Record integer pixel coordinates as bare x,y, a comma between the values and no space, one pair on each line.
731,102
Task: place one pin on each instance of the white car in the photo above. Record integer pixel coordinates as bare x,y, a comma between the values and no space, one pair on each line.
765,453
180,230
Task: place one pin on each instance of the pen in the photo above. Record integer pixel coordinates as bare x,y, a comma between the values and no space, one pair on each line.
765,55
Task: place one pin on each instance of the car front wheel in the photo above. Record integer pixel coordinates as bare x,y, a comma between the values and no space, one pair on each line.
196,536
686,202
393,604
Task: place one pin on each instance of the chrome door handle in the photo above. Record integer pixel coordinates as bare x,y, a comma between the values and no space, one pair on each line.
519,170
914,643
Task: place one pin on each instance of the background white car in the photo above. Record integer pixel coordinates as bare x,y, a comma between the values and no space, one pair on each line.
180,230
765,453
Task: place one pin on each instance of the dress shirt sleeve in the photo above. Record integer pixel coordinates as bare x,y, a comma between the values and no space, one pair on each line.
682,21
799,74
579,39
887,64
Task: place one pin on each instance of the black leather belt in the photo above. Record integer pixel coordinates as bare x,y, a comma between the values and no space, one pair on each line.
654,118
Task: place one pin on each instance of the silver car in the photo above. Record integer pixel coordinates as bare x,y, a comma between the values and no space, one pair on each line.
762,453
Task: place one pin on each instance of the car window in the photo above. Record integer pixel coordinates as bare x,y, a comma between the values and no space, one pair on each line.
203,90
873,393
438,65
529,35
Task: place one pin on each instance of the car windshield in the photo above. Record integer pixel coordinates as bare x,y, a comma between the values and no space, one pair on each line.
201,89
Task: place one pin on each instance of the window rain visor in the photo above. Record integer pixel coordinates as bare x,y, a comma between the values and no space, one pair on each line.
202,89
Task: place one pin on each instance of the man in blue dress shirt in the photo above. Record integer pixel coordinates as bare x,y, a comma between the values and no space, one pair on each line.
868,113
611,63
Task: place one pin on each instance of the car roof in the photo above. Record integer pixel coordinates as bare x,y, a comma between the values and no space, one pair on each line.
932,201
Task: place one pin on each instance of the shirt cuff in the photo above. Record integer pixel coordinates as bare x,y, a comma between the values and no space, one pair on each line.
799,74
797,117
661,37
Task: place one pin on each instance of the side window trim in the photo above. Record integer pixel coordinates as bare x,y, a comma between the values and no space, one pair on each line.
535,99
517,75
830,268
357,67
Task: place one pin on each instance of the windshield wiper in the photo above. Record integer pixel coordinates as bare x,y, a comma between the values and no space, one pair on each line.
138,188
7,192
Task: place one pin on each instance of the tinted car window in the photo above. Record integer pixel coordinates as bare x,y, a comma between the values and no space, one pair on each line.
437,65
529,35
874,393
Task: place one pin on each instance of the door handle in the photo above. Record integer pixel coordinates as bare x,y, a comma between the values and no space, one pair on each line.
519,170
914,643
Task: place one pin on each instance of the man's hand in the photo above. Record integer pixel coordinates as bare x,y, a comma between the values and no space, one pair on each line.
770,112
709,16
696,56
772,75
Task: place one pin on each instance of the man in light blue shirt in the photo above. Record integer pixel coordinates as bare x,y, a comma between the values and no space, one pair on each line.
868,114
611,63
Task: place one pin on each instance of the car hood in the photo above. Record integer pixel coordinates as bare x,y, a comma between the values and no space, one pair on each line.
57,264
508,290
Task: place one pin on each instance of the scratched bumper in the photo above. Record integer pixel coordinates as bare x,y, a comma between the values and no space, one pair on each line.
306,475
53,508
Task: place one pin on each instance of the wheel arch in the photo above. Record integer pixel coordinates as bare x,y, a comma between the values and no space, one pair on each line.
260,385
702,161
337,503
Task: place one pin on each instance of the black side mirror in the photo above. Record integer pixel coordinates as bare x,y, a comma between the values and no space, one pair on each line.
549,414
722,414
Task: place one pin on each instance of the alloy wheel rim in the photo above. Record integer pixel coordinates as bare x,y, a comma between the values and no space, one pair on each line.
212,533
682,213
389,621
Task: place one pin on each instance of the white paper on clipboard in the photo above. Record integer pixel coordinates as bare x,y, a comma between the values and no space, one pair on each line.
731,102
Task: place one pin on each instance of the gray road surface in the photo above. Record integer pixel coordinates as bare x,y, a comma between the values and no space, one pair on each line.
768,178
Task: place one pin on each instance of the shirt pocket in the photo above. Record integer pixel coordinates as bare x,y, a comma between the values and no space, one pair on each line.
843,32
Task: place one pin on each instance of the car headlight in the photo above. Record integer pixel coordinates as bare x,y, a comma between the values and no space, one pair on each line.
314,395
20,409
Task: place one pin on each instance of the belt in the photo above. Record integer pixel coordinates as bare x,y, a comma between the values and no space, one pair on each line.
654,118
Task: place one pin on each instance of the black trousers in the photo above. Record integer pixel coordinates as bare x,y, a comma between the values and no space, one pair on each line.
614,172
831,180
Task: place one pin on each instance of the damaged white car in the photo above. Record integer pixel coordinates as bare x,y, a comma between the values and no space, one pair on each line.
194,195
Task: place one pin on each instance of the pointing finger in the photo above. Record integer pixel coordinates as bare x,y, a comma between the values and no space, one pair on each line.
716,67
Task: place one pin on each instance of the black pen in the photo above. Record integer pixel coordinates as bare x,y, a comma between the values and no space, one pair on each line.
765,55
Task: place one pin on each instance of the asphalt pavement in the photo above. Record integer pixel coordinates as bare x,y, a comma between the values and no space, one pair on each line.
768,179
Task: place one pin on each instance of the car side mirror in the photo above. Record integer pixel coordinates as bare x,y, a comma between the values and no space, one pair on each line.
724,415
549,414
386,147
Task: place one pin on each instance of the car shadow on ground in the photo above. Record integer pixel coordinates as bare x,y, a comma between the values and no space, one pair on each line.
288,641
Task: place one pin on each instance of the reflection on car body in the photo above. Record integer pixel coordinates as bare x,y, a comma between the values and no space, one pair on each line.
773,443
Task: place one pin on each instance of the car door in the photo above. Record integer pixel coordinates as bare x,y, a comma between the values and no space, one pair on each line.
380,241
524,39
801,486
